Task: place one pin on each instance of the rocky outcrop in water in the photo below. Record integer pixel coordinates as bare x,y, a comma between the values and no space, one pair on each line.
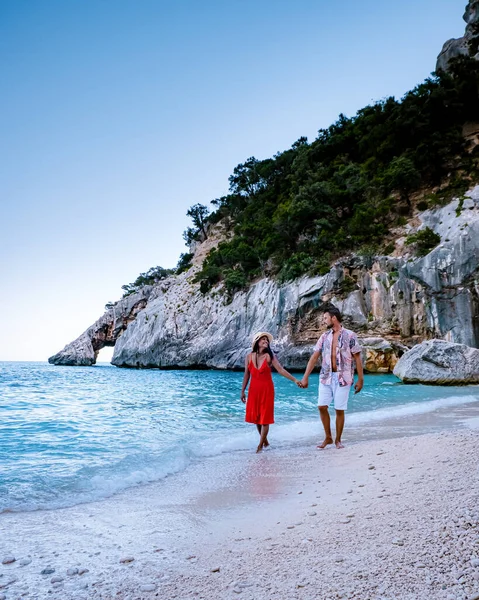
84,350
466,45
400,299
440,363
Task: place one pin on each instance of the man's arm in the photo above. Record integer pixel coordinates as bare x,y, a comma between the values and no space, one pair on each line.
359,368
310,366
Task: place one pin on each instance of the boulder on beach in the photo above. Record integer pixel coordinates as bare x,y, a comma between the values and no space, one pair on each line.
380,355
438,362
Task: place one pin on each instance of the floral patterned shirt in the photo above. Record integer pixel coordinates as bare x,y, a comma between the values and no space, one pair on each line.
346,347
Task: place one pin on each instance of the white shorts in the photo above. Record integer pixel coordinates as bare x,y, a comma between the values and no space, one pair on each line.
334,391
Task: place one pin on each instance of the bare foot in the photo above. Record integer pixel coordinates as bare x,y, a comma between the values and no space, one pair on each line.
259,449
327,441
338,445
265,444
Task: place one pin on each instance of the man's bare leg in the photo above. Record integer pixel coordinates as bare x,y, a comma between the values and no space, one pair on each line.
326,421
339,428
266,443
264,434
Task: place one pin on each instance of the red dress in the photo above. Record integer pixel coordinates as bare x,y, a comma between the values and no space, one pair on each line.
260,403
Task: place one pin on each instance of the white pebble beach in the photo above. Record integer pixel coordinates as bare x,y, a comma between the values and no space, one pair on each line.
380,519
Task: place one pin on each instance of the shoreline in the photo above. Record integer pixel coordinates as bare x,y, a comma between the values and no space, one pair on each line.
251,516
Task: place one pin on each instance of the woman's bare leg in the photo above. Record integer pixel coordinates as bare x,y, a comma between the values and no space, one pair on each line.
264,435
265,443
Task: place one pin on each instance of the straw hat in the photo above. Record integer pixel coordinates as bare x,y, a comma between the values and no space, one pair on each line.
259,335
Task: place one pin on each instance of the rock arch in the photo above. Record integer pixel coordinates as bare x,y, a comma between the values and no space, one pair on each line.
84,350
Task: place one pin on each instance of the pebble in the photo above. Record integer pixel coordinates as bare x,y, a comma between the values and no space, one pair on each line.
8,560
191,556
475,562
215,570
82,571
24,562
57,584
148,587
72,571
127,559
371,467
48,571
312,514
56,579
240,585
8,582
345,521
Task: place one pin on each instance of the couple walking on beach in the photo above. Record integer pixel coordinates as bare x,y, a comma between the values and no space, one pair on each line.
339,351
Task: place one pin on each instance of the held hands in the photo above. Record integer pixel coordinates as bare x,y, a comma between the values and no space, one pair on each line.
298,383
304,382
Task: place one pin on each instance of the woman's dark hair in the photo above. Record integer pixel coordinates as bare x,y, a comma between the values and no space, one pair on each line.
268,349
334,312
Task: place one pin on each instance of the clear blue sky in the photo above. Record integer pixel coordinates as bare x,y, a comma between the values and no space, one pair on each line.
116,116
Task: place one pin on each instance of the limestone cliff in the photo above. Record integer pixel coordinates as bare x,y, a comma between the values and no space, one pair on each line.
392,301
466,45
105,332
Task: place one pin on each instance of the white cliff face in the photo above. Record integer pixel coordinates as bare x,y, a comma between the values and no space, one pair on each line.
105,332
460,47
404,300
181,327
449,274
401,300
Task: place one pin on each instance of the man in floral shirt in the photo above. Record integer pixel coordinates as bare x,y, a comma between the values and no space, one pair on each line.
339,350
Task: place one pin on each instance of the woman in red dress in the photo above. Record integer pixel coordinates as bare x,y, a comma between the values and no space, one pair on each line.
260,404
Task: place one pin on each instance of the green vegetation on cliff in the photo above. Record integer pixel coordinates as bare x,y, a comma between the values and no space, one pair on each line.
151,277
293,213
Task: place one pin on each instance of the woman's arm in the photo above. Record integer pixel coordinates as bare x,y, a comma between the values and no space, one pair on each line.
245,378
282,371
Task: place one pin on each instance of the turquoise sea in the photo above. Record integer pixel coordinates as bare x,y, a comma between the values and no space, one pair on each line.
71,434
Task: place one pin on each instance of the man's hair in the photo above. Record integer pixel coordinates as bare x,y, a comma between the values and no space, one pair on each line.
334,312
